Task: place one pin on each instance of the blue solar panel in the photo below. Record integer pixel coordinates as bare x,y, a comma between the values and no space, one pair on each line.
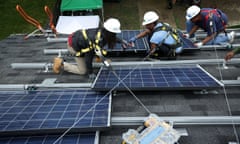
53,109
140,44
83,138
155,78
187,43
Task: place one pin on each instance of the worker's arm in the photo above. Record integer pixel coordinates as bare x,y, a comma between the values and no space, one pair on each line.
193,30
140,35
231,54
205,40
153,47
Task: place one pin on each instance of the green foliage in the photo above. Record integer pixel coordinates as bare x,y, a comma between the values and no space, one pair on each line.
126,11
12,22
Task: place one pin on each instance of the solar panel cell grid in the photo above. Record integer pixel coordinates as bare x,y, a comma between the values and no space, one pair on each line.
140,44
149,78
53,109
83,138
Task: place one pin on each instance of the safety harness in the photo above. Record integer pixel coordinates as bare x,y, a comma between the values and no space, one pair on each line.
210,14
170,31
91,45
167,28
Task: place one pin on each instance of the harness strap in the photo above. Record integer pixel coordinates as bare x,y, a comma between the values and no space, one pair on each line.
210,14
92,45
172,31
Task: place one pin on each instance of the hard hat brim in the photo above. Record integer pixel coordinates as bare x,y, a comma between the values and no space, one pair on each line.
111,30
151,21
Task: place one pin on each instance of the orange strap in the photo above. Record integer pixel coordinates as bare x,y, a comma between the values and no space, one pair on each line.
28,18
50,15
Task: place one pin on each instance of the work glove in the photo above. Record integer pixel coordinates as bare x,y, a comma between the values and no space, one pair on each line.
132,40
186,35
199,44
98,52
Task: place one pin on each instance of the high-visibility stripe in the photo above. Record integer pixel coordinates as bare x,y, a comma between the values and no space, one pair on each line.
91,44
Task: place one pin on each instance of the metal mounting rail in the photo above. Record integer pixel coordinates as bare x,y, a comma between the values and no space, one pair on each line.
79,85
204,47
219,47
231,82
180,120
130,63
47,83
203,35
50,39
199,34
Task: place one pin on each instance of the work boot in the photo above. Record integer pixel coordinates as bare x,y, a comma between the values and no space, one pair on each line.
231,36
57,64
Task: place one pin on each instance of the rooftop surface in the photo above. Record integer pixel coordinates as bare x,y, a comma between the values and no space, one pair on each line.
207,115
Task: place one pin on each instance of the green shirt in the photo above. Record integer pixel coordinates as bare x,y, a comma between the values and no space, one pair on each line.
236,50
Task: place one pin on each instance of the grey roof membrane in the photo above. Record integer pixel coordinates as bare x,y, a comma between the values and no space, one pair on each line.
14,49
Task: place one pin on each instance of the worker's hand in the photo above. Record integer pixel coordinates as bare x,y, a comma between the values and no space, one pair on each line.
199,44
151,52
132,40
98,52
186,35
107,62
229,55
124,44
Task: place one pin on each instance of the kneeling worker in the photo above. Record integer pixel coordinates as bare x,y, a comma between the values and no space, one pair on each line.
163,40
85,44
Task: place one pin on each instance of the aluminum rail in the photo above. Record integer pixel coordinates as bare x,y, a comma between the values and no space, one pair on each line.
47,83
204,47
80,85
131,63
60,85
219,47
180,120
231,82
203,35
64,39
199,34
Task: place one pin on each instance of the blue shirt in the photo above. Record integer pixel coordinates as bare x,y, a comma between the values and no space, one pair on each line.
162,36
219,20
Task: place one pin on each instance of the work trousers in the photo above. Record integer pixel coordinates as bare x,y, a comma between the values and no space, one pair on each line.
80,68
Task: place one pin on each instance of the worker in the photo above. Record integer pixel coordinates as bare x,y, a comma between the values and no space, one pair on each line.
85,44
212,21
162,38
232,53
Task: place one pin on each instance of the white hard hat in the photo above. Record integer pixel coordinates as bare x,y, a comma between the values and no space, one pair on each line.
150,17
192,12
112,25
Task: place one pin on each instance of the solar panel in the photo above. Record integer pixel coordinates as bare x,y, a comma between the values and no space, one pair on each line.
140,44
187,44
53,109
83,138
155,78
